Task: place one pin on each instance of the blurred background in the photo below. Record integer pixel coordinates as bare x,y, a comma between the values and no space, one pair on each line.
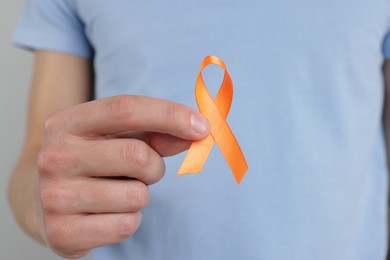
15,72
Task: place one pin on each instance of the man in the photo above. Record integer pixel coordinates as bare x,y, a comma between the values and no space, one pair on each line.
307,112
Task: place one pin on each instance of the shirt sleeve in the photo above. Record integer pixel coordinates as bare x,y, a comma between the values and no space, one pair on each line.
52,25
386,46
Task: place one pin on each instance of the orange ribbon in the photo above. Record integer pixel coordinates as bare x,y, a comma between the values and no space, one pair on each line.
216,112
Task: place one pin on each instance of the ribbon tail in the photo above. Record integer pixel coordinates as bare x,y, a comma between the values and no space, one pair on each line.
230,149
196,156
225,139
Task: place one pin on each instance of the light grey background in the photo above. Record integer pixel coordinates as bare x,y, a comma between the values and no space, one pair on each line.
15,72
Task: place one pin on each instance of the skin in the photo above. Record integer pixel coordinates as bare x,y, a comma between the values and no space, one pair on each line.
82,178
83,174
386,117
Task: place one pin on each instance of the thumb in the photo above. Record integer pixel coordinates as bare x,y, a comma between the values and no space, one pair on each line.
167,145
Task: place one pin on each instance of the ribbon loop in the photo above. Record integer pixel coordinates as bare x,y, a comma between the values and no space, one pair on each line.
216,111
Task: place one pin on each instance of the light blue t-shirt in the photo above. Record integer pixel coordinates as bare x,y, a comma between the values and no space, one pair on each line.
307,111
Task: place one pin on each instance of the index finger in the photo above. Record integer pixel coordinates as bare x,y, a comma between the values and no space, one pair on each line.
136,113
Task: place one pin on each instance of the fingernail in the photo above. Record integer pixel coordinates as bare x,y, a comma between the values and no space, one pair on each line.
199,123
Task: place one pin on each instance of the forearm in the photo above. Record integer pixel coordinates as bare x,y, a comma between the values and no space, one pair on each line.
386,120
59,81
386,109
23,196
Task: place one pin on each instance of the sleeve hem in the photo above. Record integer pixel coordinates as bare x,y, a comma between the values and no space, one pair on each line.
36,41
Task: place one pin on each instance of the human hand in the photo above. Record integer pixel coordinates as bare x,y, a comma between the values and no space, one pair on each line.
96,162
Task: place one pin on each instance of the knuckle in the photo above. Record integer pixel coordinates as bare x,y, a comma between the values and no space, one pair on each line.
122,106
46,197
60,236
55,157
55,235
52,198
127,225
53,122
48,160
136,152
139,194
